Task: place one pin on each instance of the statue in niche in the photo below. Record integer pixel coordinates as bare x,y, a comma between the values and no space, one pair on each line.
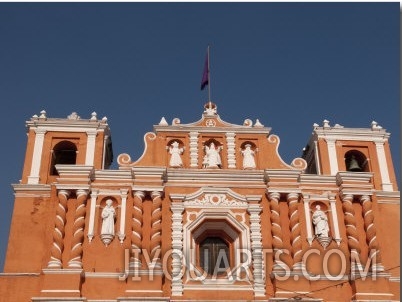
248,157
212,159
108,215
175,159
320,221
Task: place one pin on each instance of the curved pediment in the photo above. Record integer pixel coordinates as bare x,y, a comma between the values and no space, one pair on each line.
210,119
211,143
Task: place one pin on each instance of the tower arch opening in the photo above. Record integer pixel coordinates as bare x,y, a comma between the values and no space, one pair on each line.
63,153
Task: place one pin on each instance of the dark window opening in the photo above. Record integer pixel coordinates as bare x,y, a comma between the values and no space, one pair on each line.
64,153
214,256
356,161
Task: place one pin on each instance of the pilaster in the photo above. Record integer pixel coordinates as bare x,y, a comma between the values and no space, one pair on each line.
230,143
254,210
193,149
177,209
33,178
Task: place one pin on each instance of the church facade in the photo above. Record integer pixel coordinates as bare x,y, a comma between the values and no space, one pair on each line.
209,212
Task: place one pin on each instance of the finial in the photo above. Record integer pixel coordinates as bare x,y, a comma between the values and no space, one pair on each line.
43,114
163,122
258,124
73,116
93,116
375,126
210,108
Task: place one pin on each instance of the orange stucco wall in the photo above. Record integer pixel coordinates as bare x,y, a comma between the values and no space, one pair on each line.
268,208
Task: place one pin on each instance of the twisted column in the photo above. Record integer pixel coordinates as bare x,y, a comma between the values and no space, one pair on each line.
371,234
57,248
78,229
276,229
136,228
156,225
350,223
295,237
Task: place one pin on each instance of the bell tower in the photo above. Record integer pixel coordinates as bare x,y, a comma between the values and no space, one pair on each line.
334,149
70,141
60,158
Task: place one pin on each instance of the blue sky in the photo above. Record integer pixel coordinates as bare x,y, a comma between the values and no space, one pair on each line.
288,64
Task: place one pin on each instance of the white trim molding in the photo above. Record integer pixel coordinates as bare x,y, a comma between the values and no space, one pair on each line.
90,152
382,162
33,178
333,160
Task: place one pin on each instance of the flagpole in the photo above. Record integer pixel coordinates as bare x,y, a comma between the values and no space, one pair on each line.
209,82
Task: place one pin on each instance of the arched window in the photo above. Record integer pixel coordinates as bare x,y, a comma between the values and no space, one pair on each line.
63,153
355,161
214,256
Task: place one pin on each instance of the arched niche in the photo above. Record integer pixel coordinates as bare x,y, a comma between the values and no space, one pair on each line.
175,149
356,161
63,153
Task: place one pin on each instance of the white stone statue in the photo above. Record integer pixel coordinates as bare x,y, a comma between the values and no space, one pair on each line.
108,215
175,159
320,221
212,158
248,157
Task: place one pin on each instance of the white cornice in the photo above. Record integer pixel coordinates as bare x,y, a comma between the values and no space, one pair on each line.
355,191
206,176
56,299
196,184
72,186
59,124
113,175
357,134
362,177
31,190
108,192
282,174
64,271
19,274
388,197
317,179
75,170
147,188
203,129
282,189
355,183
140,172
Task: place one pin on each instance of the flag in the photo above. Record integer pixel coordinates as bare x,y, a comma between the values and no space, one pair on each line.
205,74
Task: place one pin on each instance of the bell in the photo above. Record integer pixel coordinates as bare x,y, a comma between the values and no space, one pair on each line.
354,165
